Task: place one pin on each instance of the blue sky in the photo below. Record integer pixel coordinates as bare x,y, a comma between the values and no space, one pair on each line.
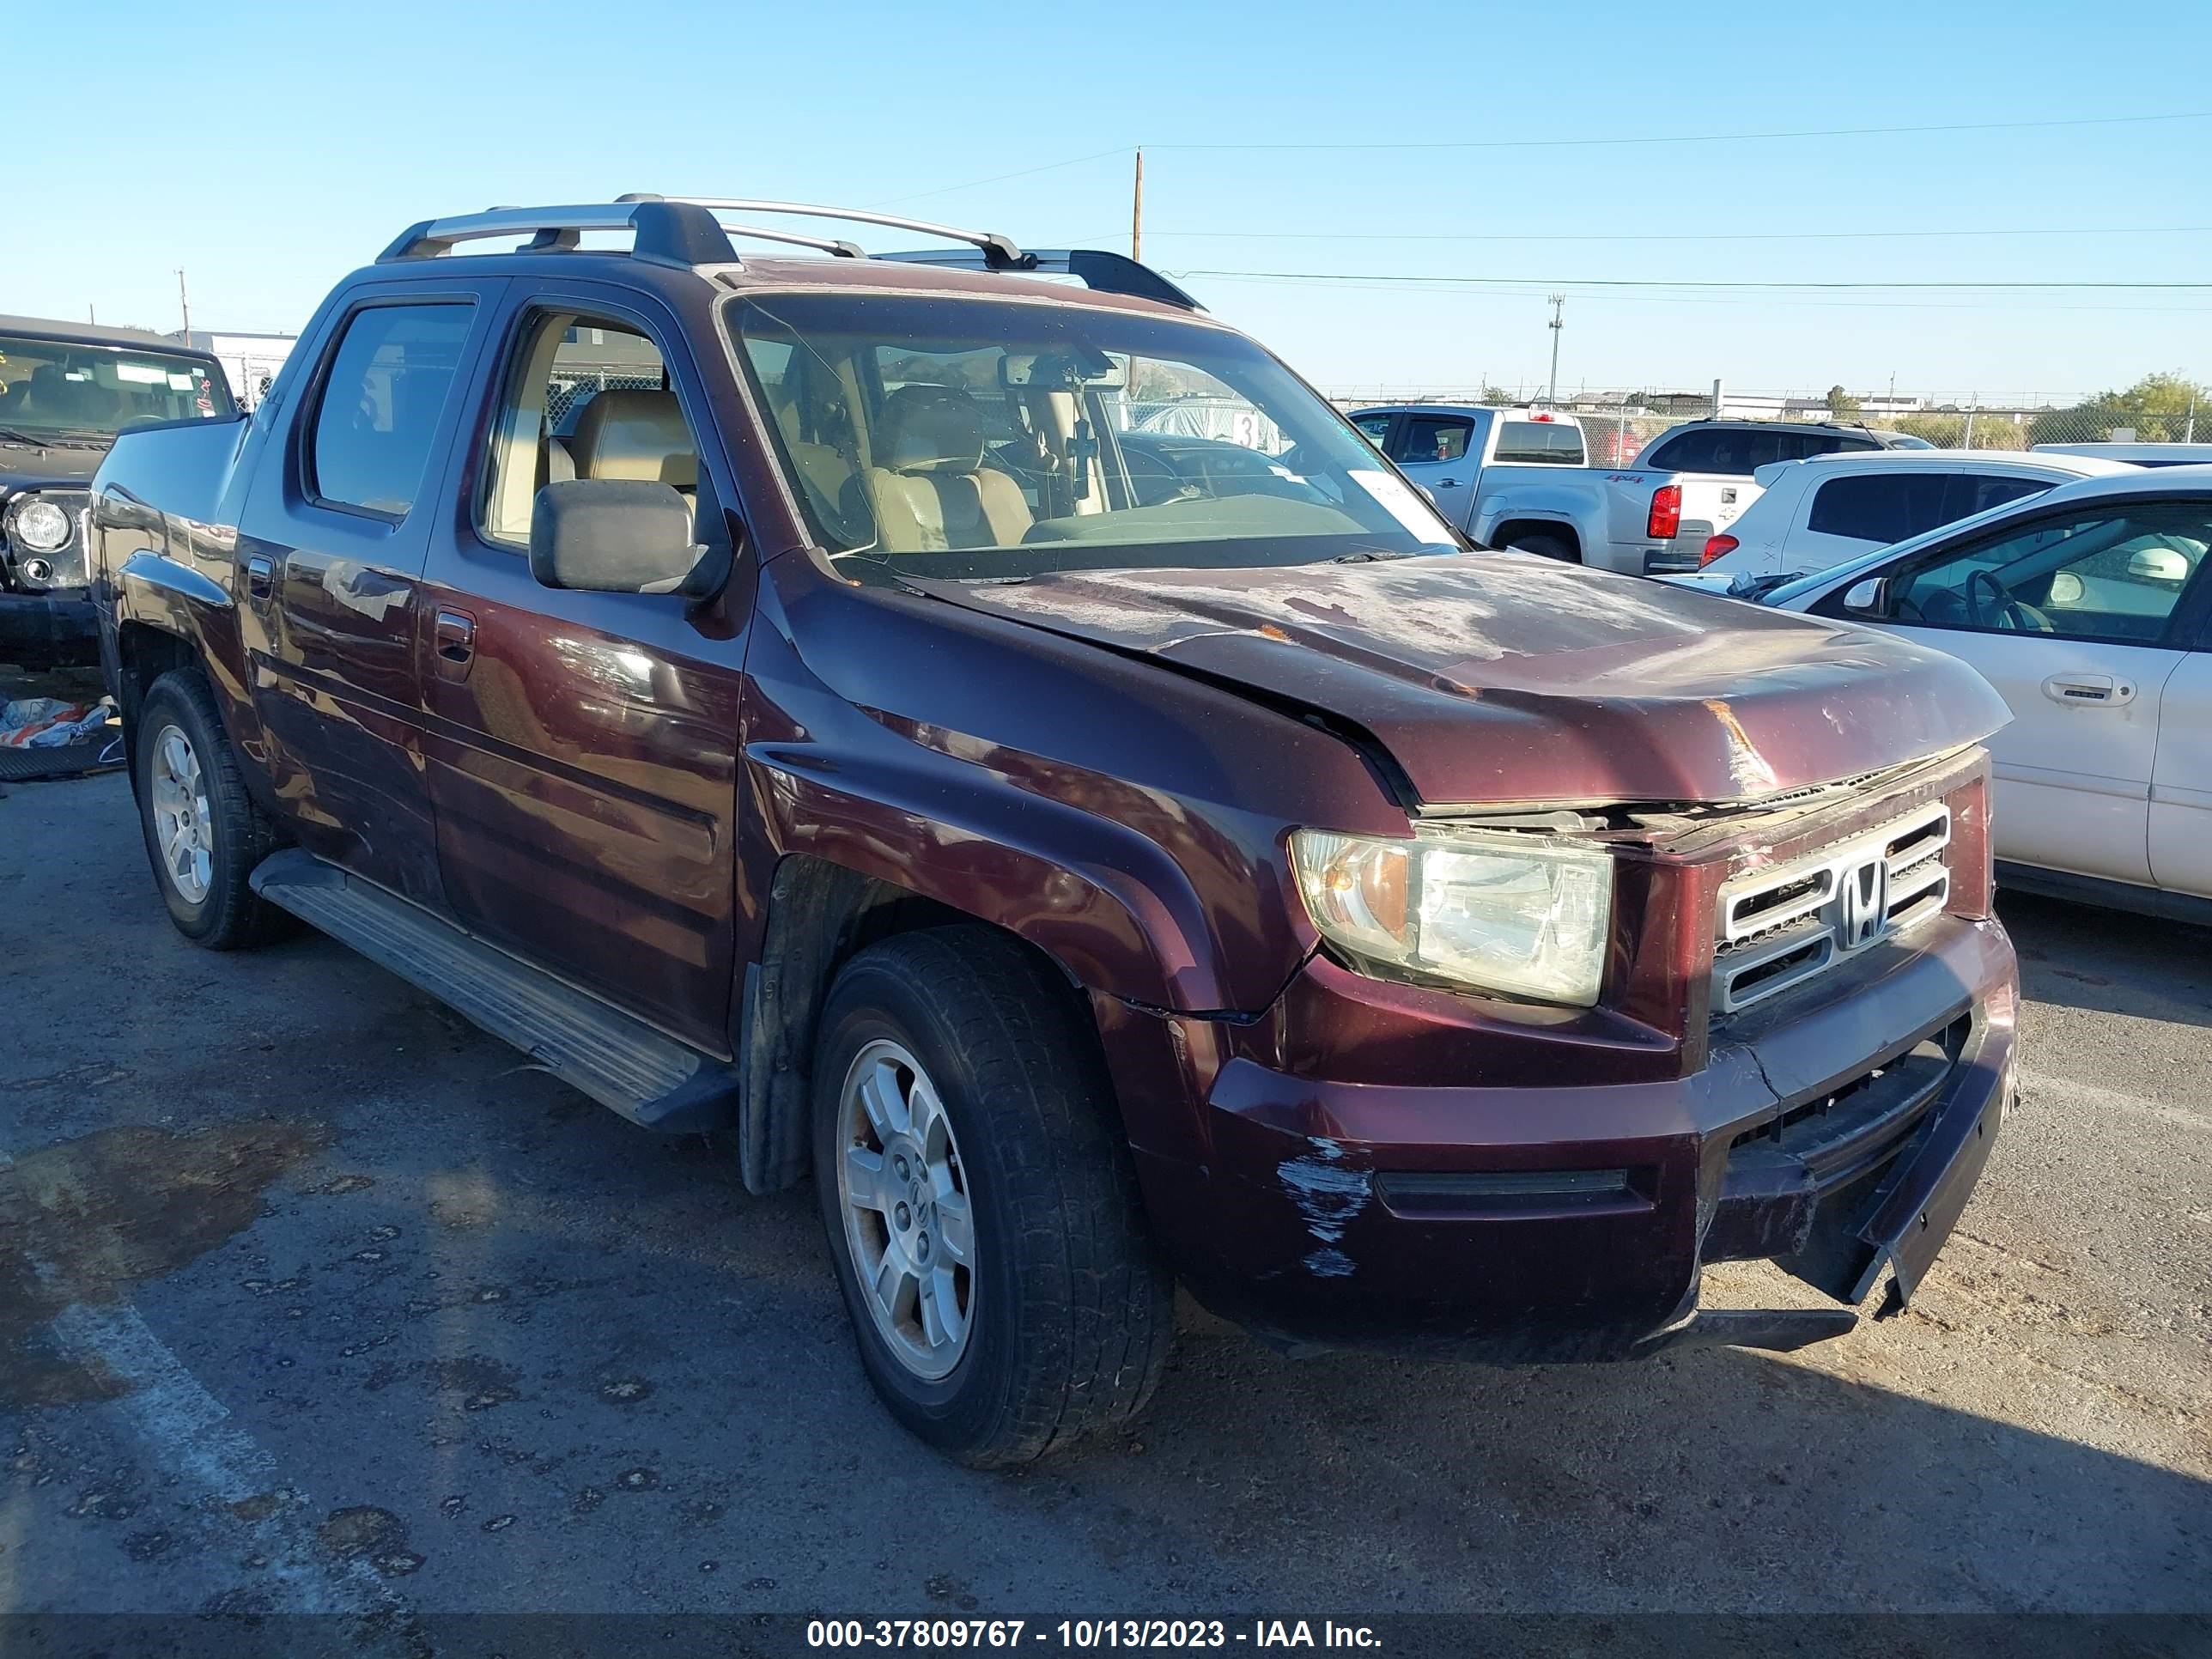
268,150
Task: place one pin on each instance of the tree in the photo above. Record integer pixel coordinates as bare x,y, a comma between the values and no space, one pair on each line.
1842,406
2157,406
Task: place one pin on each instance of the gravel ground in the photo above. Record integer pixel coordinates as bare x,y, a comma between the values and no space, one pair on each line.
311,1296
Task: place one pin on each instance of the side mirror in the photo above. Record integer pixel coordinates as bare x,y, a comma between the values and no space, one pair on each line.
618,536
1869,598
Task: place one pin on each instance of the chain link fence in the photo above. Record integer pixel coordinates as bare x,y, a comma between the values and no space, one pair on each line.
570,389
1617,424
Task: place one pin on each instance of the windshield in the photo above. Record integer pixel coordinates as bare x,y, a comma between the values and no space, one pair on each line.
988,439
57,389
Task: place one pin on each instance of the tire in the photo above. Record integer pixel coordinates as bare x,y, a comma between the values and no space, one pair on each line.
203,874
1549,547
1066,1313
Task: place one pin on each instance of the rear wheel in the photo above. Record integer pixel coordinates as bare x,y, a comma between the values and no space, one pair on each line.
980,1204
204,832
1549,547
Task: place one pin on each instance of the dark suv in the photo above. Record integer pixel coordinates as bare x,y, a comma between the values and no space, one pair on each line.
803,699
66,389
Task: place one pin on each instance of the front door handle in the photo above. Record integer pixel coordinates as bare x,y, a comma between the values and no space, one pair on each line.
260,579
456,635
2096,690
1447,483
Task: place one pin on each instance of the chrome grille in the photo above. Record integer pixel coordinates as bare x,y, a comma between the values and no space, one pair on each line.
1779,927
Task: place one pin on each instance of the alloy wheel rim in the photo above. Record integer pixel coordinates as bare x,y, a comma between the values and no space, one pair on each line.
183,826
909,1225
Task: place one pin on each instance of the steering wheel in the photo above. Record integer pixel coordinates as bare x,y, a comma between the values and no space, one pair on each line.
2009,611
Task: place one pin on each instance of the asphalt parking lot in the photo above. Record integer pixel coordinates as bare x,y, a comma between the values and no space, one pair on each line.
311,1296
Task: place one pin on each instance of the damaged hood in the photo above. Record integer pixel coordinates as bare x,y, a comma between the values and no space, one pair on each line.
1502,679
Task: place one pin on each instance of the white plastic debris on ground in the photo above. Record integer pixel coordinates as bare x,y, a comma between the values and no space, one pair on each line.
49,723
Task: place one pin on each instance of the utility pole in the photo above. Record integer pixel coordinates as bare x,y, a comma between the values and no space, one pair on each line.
185,304
1559,302
1137,211
92,315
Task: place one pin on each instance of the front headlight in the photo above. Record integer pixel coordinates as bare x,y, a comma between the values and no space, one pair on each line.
41,526
1524,914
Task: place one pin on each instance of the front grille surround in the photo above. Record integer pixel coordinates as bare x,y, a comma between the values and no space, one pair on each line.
1778,927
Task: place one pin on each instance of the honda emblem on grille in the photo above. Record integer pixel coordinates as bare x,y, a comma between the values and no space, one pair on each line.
1863,906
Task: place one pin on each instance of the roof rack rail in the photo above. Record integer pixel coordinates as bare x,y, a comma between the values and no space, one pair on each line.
1108,273
667,233
998,250
691,230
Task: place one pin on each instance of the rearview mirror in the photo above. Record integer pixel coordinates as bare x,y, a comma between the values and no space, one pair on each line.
617,536
1869,598
1063,371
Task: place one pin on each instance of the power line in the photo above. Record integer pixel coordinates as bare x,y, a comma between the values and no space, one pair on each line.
1724,285
1573,143
1000,177
1712,138
1519,289
1681,236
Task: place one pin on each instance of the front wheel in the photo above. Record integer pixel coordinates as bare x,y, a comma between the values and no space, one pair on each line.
980,1204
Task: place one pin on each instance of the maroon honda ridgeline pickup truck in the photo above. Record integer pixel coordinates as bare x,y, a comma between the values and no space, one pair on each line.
1016,754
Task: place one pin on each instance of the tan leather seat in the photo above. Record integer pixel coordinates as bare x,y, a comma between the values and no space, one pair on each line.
633,433
930,489
825,469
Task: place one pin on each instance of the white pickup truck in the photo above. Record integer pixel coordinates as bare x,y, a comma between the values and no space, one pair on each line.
1515,477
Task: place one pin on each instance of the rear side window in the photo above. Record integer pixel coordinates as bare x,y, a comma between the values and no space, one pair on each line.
1823,443
1432,438
1538,443
1878,507
1739,451
1376,427
1883,507
386,386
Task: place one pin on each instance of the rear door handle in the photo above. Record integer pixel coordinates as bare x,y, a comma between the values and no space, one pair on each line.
260,579
1447,483
456,635
2098,690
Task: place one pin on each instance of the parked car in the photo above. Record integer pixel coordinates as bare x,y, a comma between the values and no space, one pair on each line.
1691,483
1088,886
66,389
1813,513
1447,448
2089,609
2176,454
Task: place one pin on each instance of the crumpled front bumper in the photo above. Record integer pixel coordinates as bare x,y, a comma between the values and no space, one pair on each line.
1573,1222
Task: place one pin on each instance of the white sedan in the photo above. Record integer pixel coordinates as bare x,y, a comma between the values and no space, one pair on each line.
2088,607
1817,513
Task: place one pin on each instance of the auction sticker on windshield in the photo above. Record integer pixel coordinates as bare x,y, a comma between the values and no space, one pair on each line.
1400,500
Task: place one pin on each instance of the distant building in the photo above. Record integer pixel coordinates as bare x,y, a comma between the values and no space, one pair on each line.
251,359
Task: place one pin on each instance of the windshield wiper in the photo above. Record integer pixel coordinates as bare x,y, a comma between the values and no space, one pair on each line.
69,440
1369,555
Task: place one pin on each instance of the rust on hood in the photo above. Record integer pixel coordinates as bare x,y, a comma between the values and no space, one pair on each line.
1496,679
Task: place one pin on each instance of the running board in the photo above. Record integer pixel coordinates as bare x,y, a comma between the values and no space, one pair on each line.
650,1078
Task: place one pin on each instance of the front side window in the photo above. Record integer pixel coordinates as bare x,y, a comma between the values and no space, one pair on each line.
984,438
2116,577
584,396
56,392
1432,438
381,401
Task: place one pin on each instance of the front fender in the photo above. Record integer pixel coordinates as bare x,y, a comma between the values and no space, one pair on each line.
1126,819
